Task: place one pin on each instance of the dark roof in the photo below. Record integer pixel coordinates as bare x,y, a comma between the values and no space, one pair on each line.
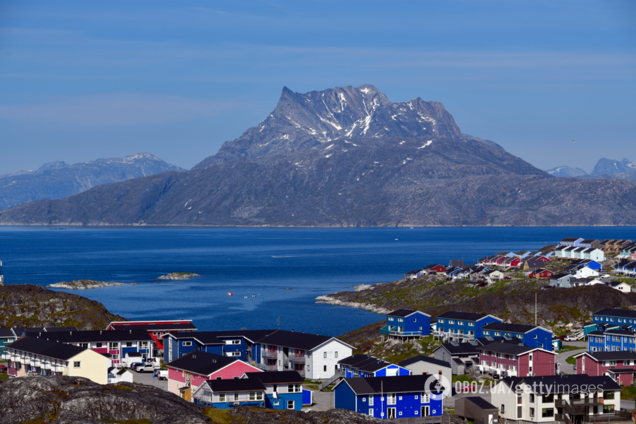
621,370
461,315
97,336
46,348
21,330
422,358
365,363
571,239
294,340
217,337
159,327
587,241
6,333
514,328
133,354
480,402
401,313
354,359
621,313
460,348
559,276
276,377
396,384
235,385
571,383
509,348
483,341
202,363
457,263
612,356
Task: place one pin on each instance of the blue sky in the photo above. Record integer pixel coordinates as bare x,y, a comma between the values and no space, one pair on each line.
82,80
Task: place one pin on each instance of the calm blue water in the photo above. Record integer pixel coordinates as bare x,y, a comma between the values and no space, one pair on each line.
248,262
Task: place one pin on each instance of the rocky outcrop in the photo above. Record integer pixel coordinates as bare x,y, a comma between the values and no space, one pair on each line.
178,276
34,306
83,284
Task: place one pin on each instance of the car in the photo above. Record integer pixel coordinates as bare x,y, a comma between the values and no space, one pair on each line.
575,337
507,278
3,368
135,365
146,368
162,374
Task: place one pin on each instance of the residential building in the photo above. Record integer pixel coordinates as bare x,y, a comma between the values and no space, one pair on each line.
461,356
612,340
283,389
411,275
30,356
512,360
238,344
420,365
620,286
619,365
156,328
226,394
119,375
7,336
476,409
368,366
116,343
561,280
570,398
188,372
462,326
313,356
571,241
390,397
614,316
405,323
530,335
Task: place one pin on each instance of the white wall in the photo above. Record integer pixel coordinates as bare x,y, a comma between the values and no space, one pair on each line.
335,350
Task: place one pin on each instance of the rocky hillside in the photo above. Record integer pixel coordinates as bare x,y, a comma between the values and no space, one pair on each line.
347,157
34,306
57,180
74,400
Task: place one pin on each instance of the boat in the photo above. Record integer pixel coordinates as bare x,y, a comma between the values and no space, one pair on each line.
230,294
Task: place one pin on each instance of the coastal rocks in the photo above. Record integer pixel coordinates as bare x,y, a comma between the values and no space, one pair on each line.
368,307
334,416
83,284
178,276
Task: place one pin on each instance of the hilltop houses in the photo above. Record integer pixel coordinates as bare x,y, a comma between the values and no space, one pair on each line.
156,328
368,366
405,324
462,326
515,359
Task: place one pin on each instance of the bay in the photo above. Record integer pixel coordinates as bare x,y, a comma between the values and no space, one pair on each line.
257,265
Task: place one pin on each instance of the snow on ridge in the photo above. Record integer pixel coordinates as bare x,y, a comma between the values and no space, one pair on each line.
367,122
365,90
428,143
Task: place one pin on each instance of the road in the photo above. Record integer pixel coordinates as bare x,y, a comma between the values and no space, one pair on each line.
146,378
564,367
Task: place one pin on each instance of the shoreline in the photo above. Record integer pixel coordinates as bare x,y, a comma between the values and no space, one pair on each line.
328,300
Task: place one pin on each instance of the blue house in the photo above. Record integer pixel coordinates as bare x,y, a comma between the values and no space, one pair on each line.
614,317
225,394
367,366
612,341
405,323
530,335
7,336
239,344
283,389
410,396
462,326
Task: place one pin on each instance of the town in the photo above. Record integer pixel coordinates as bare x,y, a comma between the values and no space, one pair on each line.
486,369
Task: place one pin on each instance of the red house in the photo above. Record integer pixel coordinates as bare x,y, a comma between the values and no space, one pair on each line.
434,268
188,372
501,260
542,258
618,365
514,359
156,328
544,273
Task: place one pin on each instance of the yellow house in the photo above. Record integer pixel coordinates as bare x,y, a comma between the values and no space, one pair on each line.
34,356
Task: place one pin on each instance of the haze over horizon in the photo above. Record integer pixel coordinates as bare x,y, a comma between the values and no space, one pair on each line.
86,80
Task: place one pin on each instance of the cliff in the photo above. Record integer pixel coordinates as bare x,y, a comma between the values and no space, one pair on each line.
34,306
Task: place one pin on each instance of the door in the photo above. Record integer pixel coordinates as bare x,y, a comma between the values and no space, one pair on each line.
426,411
391,412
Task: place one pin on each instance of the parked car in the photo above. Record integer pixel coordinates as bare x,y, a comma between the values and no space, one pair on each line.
146,368
575,337
135,365
3,368
162,374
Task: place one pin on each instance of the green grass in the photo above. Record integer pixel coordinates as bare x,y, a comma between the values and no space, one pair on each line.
571,360
4,376
628,393
220,416
567,348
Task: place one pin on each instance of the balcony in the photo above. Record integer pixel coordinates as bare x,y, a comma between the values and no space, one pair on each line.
392,332
269,353
299,359
266,367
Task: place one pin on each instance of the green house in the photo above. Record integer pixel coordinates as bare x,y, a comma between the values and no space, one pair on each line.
7,336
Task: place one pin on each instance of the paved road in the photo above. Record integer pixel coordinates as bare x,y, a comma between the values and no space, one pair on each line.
146,378
564,367
323,401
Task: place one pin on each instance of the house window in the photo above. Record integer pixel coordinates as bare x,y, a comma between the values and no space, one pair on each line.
115,357
608,395
531,412
414,320
252,395
519,399
425,398
113,345
276,403
519,411
290,404
531,397
391,399
535,336
236,342
324,368
128,344
460,322
441,321
77,364
335,354
324,355
547,412
221,397
144,344
187,343
471,324
370,400
98,345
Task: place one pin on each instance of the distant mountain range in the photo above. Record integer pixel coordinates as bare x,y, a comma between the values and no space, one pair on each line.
604,169
347,157
56,180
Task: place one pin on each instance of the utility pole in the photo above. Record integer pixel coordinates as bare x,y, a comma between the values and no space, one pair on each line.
535,308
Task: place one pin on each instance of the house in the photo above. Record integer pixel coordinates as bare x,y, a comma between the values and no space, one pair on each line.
368,366
156,329
590,243
119,375
515,359
476,409
461,356
543,273
570,398
459,263
434,269
7,336
584,272
493,276
117,343
283,389
420,365
530,335
615,339
188,372
614,364
620,286
571,241
30,356
589,263
131,358
314,356
511,262
225,394
391,397
238,344
614,316
560,280
462,326
411,275
405,323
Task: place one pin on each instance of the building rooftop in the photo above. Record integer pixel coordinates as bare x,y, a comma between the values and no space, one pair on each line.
467,316
422,358
513,328
396,384
46,348
200,362
276,377
619,313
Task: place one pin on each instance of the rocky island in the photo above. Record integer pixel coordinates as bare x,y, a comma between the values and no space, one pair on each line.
83,284
178,276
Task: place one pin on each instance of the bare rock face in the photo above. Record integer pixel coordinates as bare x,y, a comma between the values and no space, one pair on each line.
34,306
178,276
75,400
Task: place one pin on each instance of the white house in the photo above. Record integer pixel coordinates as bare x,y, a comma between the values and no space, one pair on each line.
420,364
620,286
585,272
313,356
116,375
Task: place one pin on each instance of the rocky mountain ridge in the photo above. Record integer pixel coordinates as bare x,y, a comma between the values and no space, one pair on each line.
56,180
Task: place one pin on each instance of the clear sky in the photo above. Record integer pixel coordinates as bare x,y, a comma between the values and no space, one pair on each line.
80,80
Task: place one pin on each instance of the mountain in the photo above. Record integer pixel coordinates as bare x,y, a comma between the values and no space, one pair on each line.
56,180
347,157
566,171
610,166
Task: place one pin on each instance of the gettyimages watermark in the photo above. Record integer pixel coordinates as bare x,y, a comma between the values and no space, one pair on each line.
438,387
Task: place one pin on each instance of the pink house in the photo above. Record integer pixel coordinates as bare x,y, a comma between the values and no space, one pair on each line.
618,365
188,372
514,359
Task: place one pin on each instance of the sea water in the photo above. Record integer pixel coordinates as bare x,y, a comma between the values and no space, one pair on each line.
274,274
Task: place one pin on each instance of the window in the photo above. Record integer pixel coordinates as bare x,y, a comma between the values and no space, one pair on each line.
335,354
276,403
519,399
530,357
98,345
187,343
325,368
370,412
425,398
414,320
441,321
608,409
236,342
290,404
471,324
115,357
128,344
531,412
114,345
77,364
531,397
519,411
460,322
608,395
252,395
324,355
370,400
391,399
236,397
144,344
547,412
85,345
547,398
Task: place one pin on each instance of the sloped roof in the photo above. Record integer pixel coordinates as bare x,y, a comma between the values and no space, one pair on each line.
620,313
572,383
422,358
236,385
295,340
276,377
396,384
462,315
97,336
200,362
513,328
46,348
